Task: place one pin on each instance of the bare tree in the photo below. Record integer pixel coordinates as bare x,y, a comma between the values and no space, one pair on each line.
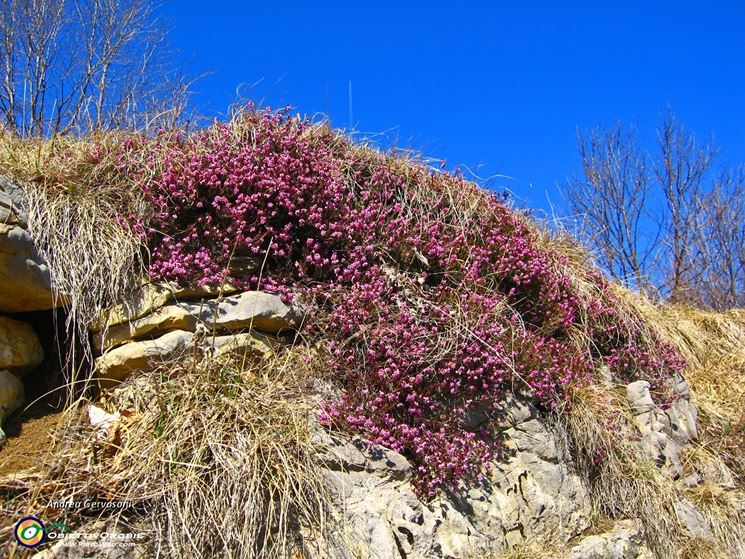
85,65
664,224
611,196
680,170
720,242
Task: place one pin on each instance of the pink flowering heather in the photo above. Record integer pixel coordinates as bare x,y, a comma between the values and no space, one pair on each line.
433,296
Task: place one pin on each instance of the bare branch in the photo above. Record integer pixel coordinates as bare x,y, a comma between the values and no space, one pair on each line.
84,65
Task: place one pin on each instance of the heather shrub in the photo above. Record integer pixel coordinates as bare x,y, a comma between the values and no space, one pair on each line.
432,295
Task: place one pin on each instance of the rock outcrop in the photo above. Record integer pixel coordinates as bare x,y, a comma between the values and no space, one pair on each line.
251,309
531,494
25,281
624,541
165,326
664,432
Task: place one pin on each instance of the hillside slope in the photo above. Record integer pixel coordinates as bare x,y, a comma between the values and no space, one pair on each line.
340,352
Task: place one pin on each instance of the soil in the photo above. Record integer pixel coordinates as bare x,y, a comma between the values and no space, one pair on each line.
30,428
29,439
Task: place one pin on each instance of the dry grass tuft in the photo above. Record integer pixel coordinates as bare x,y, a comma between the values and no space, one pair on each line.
702,548
622,483
714,346
216,458
625,485
533,551
75,200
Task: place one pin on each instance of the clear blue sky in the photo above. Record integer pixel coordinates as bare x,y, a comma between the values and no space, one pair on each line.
498,87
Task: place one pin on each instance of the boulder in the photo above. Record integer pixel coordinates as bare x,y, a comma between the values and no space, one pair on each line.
249,310
20,350
118,363
25,281
11,397
624,541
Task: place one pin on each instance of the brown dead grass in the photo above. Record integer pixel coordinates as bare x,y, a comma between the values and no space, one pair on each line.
714,346
215,457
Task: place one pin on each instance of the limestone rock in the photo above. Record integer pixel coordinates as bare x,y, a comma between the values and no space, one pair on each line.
20,350
682,415
252,309
692,519
250,343
531,492
151,296
12,202
11,397
25,281
118,363
663,432
624,541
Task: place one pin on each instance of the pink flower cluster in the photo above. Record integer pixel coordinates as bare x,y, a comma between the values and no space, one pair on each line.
434,297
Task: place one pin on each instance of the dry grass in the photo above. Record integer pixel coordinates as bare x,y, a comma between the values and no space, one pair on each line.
714,347
623,484
533,551
75,197
216,458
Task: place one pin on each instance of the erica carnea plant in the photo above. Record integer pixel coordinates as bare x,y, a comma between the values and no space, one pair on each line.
434,297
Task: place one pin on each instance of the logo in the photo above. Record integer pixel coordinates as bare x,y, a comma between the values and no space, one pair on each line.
30,531
58,526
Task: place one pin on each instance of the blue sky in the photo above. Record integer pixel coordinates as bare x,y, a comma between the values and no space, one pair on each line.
497,87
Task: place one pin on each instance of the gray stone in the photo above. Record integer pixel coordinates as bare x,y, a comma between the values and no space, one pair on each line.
248,343
683,414
356,455
532,491
119,363
624,541
663,432
11,397
20,350
150,296
25,281
692,520
12,203
250,310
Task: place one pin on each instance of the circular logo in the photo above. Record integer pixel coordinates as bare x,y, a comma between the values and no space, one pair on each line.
30,531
